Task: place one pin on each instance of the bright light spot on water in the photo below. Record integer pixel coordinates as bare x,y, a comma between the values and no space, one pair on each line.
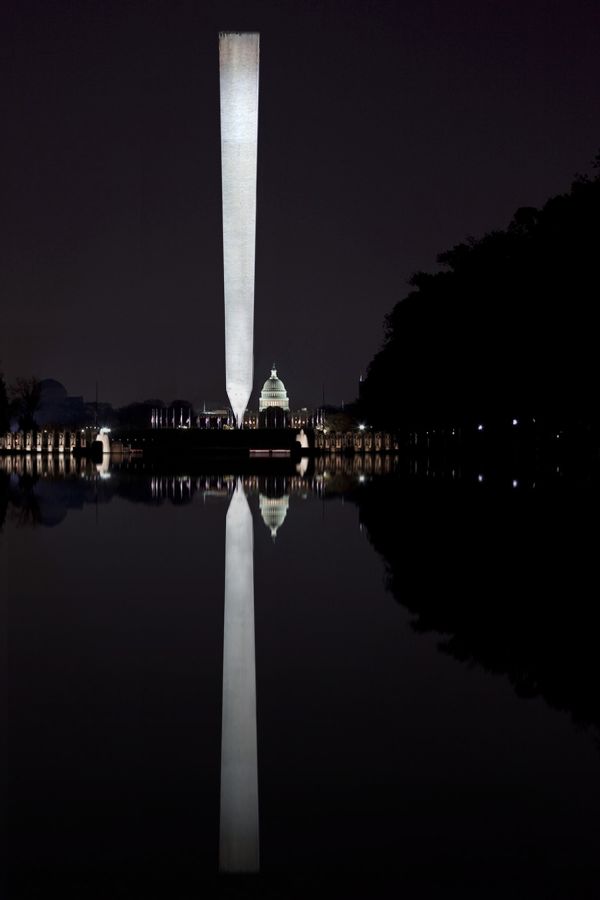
515,421
480,478
515,483
480,428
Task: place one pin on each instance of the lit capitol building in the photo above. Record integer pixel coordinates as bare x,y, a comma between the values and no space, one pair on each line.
274,405
274,408
273,412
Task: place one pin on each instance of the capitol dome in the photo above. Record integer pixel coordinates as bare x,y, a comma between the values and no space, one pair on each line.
273,393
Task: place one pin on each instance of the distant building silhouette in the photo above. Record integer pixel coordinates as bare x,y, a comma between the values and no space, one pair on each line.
56,407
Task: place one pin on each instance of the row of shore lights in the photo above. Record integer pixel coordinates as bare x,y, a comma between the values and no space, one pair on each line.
362,427
514,422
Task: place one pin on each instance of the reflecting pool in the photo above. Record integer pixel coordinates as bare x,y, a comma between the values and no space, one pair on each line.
261,679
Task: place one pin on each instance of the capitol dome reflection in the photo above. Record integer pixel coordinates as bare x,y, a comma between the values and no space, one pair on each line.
273,511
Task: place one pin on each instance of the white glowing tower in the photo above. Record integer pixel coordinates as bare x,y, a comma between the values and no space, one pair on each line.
238,833
238,64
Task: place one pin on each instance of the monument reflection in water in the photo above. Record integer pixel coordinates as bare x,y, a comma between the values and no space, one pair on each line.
239,834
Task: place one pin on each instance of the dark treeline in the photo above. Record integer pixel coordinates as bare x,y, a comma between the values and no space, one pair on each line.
137,414
505,329
507,579
4,486
4,405
29,404
19,402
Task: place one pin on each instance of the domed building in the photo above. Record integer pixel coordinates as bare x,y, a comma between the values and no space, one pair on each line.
56,407
274,405
52,391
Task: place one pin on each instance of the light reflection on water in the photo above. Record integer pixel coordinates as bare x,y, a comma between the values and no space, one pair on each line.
370,745
238,835
333,473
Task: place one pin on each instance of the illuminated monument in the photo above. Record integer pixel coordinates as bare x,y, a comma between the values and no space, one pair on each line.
238,65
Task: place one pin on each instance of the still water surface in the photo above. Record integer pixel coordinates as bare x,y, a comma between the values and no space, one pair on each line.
406,691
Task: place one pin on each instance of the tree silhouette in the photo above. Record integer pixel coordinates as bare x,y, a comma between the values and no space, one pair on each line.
4,409
26,396
505,328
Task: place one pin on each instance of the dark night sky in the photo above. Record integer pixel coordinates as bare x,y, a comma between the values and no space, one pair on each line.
388,132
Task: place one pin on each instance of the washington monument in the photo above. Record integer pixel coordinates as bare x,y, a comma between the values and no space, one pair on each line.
238,64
